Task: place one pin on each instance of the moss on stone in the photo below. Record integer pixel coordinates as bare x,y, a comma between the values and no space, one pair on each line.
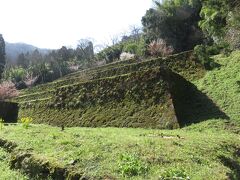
139,99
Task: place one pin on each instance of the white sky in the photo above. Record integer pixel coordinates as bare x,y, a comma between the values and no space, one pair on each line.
53,23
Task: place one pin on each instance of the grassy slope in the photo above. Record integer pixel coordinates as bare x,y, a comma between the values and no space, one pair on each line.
98,151
5,171
207,150
222,85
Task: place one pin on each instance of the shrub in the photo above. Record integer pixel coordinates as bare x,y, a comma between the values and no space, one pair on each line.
7,90
138,48
200,51
15,74
159,47
26,122
204,53
131,48
111,53
131,165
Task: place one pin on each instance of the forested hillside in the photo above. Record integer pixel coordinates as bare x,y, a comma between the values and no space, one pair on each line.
13,50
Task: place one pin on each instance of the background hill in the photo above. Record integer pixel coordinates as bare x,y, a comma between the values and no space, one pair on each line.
14,49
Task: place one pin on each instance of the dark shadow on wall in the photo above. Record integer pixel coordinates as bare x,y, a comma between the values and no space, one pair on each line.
192,105
9,112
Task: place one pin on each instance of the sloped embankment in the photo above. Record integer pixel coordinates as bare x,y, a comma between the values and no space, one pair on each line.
5,171
141,94
35,166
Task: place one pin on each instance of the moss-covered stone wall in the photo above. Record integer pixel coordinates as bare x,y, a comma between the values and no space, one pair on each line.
122,94
139,99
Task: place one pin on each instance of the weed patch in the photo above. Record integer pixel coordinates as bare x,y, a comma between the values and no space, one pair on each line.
174,174
131,165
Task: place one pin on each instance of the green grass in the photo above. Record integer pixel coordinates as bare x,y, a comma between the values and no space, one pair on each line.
136,153
222,85
5,172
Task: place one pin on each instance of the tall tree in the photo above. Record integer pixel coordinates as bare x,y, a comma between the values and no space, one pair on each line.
84,52
22,61
214,18
2,55
174,21
220,21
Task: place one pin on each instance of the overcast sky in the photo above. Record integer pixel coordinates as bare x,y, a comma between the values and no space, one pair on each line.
53,23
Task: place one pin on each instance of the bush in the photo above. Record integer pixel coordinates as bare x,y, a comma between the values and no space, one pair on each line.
135,47
15,74
131,48
131,165
159,47
7,90
200,51
204,53
111,53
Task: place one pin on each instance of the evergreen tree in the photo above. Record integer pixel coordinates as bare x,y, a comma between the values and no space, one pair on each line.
174,21
22,61
220,21
2,55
